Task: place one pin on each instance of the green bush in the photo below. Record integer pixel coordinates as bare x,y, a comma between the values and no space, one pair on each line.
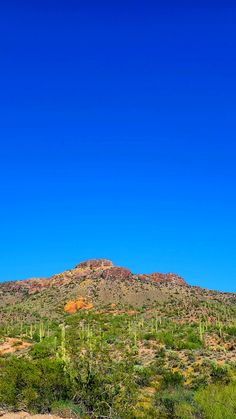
44,349
220,374
172,379
169,402
32,385
217,401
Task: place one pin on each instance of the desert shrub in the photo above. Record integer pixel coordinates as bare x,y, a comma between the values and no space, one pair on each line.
44,349
160,353
172,379
149,336
217,401
186,410
104,387
143,375
231,330
169,402
32,385
220,373
190,340
167,339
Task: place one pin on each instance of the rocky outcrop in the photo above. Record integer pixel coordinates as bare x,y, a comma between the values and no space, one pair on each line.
160,278
80,304
95,264
115,272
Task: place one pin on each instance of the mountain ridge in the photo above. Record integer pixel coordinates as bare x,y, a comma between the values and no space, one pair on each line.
100,264
85,267
96,283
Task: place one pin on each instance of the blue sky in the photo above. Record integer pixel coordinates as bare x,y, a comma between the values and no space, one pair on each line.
117,137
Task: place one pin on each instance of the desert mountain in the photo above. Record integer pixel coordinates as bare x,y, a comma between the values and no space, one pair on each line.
92,284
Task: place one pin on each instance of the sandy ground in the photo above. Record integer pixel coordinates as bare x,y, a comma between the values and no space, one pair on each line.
12,345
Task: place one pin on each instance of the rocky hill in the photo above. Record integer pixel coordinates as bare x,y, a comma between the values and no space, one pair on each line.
94,269
94,283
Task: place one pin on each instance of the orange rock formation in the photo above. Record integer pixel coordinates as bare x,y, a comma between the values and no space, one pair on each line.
80,304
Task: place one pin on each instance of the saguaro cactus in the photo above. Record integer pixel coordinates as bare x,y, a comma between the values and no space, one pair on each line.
201,331
63,343
41,331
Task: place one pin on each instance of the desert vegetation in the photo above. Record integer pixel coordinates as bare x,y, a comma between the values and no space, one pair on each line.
119,362
98,342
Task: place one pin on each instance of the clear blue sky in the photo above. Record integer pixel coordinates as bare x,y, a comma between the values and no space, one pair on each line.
118,137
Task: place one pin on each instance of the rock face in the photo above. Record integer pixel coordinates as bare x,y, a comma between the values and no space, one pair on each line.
95,264
115,272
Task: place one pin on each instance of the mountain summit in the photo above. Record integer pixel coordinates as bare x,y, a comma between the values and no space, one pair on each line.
94,269
94,284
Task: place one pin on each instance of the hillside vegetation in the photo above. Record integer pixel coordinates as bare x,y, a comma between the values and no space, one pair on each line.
100,342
